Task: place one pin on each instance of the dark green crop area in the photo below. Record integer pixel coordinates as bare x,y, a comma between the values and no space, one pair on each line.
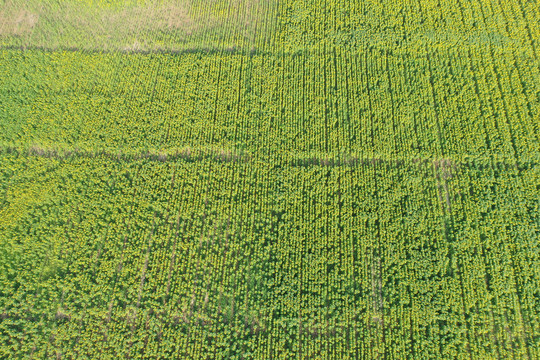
318,180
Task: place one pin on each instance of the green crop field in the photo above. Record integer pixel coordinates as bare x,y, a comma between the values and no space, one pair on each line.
264,179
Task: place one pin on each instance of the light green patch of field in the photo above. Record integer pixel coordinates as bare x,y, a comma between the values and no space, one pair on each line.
169,25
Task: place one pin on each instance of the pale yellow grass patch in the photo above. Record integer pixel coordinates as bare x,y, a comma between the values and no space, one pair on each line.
133,26
16,22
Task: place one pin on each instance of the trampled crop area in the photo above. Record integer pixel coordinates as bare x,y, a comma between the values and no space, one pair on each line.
244,179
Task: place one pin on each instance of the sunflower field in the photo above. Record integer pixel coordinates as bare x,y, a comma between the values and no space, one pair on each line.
249,179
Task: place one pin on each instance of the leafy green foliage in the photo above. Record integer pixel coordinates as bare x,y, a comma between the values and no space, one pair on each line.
363,183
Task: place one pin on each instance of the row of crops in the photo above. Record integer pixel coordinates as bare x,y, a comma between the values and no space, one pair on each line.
377,103
243,259
269,180
269,26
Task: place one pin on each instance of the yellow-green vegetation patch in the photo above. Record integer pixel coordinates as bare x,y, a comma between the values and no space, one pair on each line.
191,255
366,187
153,25
372,104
